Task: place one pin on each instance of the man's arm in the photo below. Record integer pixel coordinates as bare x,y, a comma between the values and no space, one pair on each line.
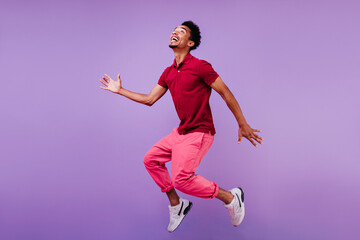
148,99
244,129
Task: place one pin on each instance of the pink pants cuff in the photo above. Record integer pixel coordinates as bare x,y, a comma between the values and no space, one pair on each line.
216,191
167,189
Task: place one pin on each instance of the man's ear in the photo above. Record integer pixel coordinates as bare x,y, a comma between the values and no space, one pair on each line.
191,43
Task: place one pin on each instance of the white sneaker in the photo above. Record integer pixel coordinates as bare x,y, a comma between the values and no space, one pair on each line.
177,213
237,207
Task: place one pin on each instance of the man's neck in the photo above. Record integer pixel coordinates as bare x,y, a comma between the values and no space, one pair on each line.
180,55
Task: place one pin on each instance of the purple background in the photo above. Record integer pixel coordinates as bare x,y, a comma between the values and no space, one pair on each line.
71,153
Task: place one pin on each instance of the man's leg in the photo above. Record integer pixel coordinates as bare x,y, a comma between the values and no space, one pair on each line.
174,199
187,155
225,196
154,161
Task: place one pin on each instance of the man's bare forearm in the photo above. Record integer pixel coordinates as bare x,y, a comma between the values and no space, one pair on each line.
244,129
137,97
234,107
148,99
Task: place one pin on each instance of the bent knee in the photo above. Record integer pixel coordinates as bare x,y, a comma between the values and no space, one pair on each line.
148,159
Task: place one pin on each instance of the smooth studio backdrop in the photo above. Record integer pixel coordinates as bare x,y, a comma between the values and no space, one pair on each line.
71,153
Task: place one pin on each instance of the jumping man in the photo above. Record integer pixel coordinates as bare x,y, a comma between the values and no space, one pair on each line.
190,81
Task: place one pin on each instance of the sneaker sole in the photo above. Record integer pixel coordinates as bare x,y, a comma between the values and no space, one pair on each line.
186,211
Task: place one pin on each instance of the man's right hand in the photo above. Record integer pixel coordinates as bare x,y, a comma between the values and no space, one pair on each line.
111,85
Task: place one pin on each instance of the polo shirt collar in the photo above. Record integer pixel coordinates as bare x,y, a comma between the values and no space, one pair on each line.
185,60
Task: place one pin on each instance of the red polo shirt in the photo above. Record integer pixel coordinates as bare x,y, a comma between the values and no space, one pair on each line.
189,85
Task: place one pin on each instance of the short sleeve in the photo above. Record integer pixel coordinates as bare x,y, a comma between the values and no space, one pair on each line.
207,73
161,81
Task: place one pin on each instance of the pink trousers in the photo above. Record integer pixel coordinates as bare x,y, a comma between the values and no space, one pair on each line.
185,153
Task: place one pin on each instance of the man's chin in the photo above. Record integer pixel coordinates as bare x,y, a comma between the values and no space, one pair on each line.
172,46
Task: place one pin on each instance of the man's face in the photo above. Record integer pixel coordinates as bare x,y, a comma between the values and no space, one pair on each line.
179,38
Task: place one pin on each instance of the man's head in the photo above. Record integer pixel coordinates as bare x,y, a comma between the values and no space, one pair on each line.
187,35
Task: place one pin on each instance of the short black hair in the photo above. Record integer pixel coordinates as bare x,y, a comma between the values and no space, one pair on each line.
194,33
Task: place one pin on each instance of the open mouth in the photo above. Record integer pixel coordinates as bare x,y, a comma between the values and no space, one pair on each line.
174,39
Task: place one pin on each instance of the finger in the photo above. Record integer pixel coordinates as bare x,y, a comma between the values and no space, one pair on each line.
255,130
258,140
108,76
252,141
105,79
106,84
104,88
118,77
240,136
257,136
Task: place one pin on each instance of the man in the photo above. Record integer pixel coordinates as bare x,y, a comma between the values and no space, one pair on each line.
190,81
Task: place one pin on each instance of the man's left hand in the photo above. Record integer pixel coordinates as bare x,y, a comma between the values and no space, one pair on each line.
247,132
